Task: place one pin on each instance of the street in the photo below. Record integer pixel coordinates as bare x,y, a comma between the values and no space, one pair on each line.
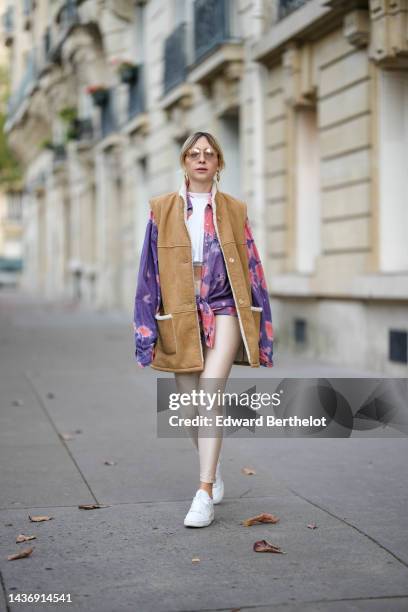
72,398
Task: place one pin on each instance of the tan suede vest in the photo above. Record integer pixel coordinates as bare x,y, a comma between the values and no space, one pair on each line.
178,347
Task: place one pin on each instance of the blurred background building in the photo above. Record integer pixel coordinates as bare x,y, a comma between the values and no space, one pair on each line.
309,99
11,229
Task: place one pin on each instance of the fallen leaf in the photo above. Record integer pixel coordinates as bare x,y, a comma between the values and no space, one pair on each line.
265,546
38,519
110,462
20,555
78,431
23,538
248,471
66,436
195,560
312,526
92,506
260,518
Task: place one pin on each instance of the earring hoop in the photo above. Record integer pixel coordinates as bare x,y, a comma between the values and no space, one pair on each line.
218,175
186,179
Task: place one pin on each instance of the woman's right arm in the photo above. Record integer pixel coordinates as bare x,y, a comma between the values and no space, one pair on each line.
147,299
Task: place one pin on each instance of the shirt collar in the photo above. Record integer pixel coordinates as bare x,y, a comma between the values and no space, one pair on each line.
187,200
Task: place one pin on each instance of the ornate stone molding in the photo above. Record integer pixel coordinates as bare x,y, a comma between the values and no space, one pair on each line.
225,96
181,96
124,9
138,125
389,33
356,28
299,88
226,62
84,52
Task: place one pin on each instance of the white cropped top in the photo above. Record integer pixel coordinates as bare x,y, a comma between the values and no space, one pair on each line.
195,224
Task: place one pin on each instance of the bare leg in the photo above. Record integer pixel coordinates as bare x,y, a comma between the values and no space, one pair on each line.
186,383
218,362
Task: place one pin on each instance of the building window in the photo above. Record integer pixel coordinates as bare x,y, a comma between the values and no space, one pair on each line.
214,23
288,6
398,346
300,331
175,58
14,206
108,114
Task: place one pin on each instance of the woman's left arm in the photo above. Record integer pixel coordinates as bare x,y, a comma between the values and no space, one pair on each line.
260,297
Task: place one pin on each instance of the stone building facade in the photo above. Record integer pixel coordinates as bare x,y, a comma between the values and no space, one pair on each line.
309,100
10,193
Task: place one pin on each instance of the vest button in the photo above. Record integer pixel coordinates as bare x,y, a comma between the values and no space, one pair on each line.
231,259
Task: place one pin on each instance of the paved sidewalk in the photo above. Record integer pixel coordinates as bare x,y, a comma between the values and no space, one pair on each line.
65,370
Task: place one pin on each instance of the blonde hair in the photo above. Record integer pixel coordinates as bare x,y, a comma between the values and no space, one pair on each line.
191,140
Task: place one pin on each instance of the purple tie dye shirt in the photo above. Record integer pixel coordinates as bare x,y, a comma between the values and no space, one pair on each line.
215,294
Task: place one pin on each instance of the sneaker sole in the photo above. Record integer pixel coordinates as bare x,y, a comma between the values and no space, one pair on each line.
201,524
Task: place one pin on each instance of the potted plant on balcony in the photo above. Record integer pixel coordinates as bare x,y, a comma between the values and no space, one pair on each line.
68,114
127,70
99,94
47,144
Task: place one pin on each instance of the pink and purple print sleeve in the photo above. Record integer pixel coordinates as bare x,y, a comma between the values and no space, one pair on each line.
147,299
260,297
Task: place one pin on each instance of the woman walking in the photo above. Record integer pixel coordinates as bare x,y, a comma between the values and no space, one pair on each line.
201,301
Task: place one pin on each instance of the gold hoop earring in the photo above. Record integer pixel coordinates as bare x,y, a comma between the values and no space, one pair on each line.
186,178
218,175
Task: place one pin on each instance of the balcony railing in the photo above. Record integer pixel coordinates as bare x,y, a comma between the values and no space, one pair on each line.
175,61
8,25
136,104
288,6
108,114
59,154
80,129
28,6
25,86
84,129
68,14
212,25
47,42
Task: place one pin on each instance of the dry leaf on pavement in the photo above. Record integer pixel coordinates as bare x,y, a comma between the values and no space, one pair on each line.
248,471
23,538
38,519
260,518
91,506
66,436
265,546
20,555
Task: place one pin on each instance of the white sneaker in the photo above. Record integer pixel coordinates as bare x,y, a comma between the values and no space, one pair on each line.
218,486
201,512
